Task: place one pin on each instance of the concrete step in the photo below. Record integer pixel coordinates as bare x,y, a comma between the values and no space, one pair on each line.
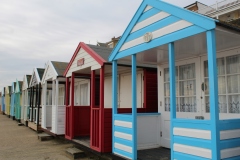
44,137
75,153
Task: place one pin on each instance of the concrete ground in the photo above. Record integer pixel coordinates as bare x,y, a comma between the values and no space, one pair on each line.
21,143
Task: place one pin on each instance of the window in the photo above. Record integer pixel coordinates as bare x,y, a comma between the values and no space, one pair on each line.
228,84
49,97
185,88
61,96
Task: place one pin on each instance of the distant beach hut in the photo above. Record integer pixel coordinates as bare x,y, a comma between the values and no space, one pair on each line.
34,120
18,100
25,99
7,100
53,98
3,101
12,105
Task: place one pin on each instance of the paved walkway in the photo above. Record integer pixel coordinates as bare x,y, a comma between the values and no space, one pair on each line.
21,143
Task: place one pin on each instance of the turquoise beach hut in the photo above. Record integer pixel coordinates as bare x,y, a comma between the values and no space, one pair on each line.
198,61
18,100
12,105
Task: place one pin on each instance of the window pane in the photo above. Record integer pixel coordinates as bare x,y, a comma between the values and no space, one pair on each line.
84,94
188,104
222,104
187,88
167,104
220,67
233,64
187,71
233,102
233,86
166,74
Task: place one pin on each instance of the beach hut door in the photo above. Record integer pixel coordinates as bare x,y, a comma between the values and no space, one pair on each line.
188,95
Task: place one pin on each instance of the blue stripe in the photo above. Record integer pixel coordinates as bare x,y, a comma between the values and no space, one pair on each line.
123,130
229,124
183,156
195,142
232,158
123,141
186,32
229,143
148,14
152,27
122,117
192,124
124,153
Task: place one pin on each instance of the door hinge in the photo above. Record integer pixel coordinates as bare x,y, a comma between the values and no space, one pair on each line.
160,133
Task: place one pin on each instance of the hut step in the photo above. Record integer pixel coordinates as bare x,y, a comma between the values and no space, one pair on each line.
75,153
44,137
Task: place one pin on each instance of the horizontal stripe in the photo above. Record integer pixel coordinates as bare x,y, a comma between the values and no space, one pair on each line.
123,124
148,8
155,26
232,158
123,141
123,147
229,134
150,20
183,156
232,152
190,31
122,153
229,143
123,135
194,142
194,133
123,117
192,124
196,151
229,124
123,130
148,14
158,33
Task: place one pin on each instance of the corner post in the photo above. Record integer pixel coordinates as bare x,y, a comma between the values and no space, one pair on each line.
114,96
72,107
213,82
171,53
101,135
56,104
92,104
134,105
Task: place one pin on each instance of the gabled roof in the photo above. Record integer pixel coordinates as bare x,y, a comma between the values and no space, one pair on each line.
98,53
28,79
13,87
60,67
40,72
165,22
36,76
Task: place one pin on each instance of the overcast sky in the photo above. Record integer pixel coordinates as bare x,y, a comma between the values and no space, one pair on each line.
33,32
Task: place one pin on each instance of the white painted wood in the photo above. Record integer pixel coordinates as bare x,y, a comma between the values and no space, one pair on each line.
56,110
48,116
196,151
125,90
194,133
49,73
231,152
95,67
107,92
229,134
123,124
123,135
158,33
123,147
150,20
147,8
61,120
88,62
148,131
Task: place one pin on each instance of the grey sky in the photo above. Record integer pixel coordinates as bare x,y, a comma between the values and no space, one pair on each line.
33,32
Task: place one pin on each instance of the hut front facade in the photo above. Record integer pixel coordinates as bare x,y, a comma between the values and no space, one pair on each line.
34,119
198,65
12,105
3,101
89,99
25,106
18,100
53,98
7,100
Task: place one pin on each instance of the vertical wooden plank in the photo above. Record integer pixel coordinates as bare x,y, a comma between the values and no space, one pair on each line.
134,105
92,104
72,107
114,96
39,103
56,105
101,112
171,54
213,82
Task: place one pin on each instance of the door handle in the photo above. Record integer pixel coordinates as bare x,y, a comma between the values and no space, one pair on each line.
204,86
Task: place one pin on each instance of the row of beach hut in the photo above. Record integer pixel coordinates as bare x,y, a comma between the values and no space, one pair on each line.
172,81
